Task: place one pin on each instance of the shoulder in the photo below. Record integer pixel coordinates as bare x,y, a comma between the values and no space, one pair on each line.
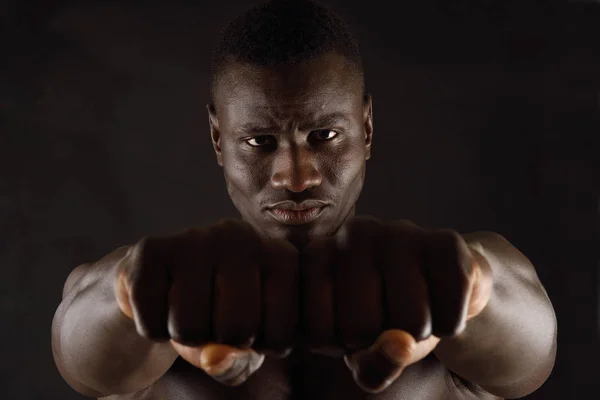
80,276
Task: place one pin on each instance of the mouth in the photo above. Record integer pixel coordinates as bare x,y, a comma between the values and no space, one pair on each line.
291,213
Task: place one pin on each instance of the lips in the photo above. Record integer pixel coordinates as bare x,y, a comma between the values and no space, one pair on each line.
291,217
292,213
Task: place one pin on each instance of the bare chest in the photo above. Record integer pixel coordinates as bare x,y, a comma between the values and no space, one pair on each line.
303,377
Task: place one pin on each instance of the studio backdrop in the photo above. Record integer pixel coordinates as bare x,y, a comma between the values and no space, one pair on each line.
485,118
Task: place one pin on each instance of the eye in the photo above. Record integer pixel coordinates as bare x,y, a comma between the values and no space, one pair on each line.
260,141
324,134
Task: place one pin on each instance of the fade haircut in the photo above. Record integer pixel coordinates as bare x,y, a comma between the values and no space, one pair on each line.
283,32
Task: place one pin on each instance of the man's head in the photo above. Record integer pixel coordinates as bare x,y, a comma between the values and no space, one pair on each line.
290,123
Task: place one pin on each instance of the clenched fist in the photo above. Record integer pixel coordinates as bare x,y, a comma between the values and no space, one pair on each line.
222,295
380,294
384,293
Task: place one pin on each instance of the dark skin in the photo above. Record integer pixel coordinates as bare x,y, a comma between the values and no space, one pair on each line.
338,307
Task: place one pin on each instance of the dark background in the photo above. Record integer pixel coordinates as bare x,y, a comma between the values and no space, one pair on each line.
485,112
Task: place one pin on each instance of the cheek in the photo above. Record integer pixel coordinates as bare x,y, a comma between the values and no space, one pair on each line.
244,176
346,168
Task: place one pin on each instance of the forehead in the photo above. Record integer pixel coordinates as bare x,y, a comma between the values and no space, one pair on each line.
324,85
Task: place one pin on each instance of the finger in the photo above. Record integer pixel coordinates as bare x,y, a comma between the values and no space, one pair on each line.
448,268
190,295
406,291
376,368
122,292
280,299
145,276
237,306
317,297
358,288
228,365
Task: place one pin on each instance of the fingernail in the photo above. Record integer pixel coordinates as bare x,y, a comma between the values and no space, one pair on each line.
371,370
217,368
234,374
397,351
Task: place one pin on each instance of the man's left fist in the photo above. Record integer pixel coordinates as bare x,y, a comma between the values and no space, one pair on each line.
385,292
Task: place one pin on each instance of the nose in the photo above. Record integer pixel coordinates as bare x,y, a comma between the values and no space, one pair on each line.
295,170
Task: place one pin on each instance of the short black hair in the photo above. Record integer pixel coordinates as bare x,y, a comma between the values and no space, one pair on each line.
283,32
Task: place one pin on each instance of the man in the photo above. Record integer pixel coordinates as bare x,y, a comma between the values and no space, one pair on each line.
301,299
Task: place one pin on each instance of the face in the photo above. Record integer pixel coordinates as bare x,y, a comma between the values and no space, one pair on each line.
293,143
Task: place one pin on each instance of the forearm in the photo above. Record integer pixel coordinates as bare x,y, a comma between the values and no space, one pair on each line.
509,348
95,346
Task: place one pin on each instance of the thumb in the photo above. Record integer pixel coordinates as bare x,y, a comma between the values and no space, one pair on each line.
376,368
229,365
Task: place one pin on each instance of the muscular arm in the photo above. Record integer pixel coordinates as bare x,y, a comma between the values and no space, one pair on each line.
510,347
96,347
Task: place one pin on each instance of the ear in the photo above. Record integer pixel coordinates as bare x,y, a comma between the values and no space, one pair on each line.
368,123
215,133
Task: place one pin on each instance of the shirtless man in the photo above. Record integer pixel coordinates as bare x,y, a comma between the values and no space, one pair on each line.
301,299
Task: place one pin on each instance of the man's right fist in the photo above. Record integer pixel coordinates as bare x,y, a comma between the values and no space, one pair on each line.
221,294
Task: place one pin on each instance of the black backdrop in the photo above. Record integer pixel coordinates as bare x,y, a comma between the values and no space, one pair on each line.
485,112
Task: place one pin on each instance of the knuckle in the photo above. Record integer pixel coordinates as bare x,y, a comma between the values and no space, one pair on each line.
143,256
233,225
364,221
404,225
223,223
241,233
135,256
447,248
356,230
190,235
144,252
402,235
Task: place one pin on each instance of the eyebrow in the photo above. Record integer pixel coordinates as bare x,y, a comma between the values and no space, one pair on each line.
257,129
325,121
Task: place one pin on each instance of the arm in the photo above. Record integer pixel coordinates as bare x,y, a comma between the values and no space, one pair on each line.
509,348
96,347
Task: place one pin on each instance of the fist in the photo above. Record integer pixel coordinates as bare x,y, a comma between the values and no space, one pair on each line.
222,295
383,293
